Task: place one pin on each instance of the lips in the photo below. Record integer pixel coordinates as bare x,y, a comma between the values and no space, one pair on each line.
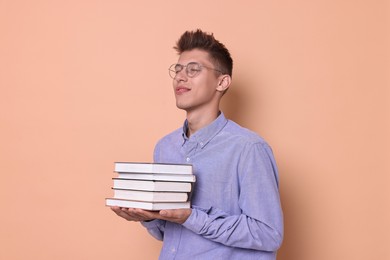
182,89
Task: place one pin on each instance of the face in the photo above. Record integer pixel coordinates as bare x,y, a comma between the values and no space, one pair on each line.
198,92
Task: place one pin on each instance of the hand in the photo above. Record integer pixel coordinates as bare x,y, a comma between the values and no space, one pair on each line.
173,215
132,214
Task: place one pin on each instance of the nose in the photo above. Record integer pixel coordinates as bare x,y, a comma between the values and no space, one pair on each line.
181,75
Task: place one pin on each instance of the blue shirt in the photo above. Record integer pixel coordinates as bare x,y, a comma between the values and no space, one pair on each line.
236,211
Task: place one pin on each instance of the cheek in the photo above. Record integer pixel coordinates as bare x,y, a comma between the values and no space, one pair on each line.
206,85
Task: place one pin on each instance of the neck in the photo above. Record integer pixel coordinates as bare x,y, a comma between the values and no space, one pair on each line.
197,120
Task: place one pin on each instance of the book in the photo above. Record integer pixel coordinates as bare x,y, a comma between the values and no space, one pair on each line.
157,176
150,185
151,196
146,205
137,167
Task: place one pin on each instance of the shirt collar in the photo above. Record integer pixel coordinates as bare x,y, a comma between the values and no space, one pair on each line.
206,134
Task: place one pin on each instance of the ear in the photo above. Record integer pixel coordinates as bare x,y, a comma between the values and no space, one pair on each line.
224,83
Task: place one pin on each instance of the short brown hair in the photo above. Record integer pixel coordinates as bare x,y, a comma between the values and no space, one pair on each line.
200,40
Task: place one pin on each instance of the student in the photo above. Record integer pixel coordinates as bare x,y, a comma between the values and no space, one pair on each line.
236,211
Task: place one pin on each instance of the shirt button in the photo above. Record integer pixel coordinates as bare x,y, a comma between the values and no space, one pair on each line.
188,159
201,143
173,250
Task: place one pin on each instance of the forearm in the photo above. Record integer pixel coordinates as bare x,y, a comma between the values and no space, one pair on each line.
236,230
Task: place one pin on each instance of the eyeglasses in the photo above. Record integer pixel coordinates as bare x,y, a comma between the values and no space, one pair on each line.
192,69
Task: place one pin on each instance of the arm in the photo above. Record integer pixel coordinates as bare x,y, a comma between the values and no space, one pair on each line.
234,230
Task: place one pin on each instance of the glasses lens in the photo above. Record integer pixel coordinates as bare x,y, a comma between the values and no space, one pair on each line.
173,69
192,69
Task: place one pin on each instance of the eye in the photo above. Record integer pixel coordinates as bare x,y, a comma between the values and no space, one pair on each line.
193,68
178,68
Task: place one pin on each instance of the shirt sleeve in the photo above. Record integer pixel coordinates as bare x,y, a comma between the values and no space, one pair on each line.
260,224
155,228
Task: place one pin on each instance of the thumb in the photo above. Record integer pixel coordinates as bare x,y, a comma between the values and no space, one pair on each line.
167,213
163,213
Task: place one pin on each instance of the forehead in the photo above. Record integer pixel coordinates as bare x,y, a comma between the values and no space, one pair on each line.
195,55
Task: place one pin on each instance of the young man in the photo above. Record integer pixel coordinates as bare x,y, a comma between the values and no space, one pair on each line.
236,211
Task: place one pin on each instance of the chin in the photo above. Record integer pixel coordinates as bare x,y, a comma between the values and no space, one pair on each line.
181,107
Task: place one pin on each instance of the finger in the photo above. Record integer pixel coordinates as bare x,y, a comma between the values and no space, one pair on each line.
172,213
117,210
175,215
124,213
142,215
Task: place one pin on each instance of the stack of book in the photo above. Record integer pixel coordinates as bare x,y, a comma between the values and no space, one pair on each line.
152,186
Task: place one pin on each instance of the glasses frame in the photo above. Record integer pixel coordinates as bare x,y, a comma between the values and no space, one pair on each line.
172,70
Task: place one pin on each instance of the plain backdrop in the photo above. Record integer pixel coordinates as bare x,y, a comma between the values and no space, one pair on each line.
84,83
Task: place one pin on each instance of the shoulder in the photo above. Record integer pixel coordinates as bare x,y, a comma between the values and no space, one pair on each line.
243,135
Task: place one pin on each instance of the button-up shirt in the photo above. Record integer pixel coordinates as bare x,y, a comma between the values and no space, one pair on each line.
236,210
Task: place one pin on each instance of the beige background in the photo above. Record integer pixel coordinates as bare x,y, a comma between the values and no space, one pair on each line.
85,83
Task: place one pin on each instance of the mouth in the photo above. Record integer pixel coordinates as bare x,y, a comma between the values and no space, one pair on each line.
181,89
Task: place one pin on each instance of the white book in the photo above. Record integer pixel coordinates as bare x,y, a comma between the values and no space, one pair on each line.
146,205
151,185
137,167
157,176
150,196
